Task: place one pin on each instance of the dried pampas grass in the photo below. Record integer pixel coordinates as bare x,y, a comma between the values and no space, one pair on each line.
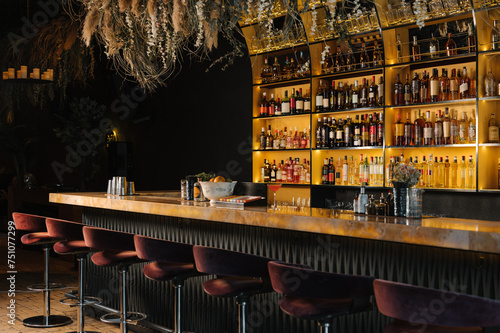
90,25
179,17
124,5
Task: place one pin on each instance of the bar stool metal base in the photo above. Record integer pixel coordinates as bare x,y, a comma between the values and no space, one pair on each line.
87,300
42,287
115,317
47,321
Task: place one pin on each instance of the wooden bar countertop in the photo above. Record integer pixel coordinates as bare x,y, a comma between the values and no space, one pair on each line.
462,234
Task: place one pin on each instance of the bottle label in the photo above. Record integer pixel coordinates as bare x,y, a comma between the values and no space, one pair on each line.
373,134
472,133
285,108
428,133
355,99
307,106
493,134
434,87
263,110
371,95
432,48
453,85
270,110
399,129
326,102
464,87
319,100
357,141
293,104
300,105
345,171
340,135
446,129
438,132
380,89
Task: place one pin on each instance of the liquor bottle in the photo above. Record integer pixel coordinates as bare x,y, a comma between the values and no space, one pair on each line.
444,86
338,171
424,88
428,130
454,129
380,130
355,95
408,131
454,85
415,49
292,69
283,138
285,104
398,92
326,98
407,90
364,59
285,71
471,173
378,58
373,171
463,129
319,137
434,86
498,177
324,174
495,36
271,106
415,89
463,172
276,70
472,127
307,101
299,102
266,72
446,172
424,168
366,172
454,173
277,139
446,127
357,140
372,93
331,171
363,94
293,102
274,170
451,46
262,139
348,96
438,130
345,172
352,172
296,139
493,134
327,64
471,40
279,172
389,171
398,131
267,172
430,172
418,130
340,98
399,50
332,139
263,106
269,139
277,108
348,134
339,61
434,47
489,84
325,133
319,98
365,131
339,134
464,86
372,128
350,60
380,90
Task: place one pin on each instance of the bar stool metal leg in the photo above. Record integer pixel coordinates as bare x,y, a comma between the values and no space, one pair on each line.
46,320
324,327
178,306
242,304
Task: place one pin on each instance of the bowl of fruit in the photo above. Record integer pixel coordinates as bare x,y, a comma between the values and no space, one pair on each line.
216,187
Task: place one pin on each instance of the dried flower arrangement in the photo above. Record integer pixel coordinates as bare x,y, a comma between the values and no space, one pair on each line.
407,174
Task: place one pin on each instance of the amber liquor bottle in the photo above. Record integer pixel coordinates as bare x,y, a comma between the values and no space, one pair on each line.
398,131
428,130
398,92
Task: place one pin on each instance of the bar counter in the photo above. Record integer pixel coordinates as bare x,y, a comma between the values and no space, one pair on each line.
442,253
470,235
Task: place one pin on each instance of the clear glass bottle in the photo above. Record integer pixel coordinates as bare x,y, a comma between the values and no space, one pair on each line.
438,130
339,61
463,172
415,50
454,129
471,173
276,70
463,129
198,192
472,127
446,127
430,172
399,50
495,36
434,47
451,46
378,58
471,40
446,172
493,133
489,84
266,72
364,58
454,173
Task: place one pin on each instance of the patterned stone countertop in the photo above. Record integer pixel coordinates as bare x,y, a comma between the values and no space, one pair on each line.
472,235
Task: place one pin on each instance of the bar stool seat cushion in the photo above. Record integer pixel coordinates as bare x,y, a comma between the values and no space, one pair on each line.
162,271
29,222
71,247
316,308
108,258
401,326
234,286
37,238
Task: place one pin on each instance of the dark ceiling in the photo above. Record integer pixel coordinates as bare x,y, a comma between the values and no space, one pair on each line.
12,13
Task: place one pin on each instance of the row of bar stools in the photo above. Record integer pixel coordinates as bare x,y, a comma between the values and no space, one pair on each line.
116,249
38,235
73,243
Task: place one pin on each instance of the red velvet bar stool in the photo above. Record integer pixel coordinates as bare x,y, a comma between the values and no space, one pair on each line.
425,310
321,296
73,243
173,261
239,275
39,236
117,250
